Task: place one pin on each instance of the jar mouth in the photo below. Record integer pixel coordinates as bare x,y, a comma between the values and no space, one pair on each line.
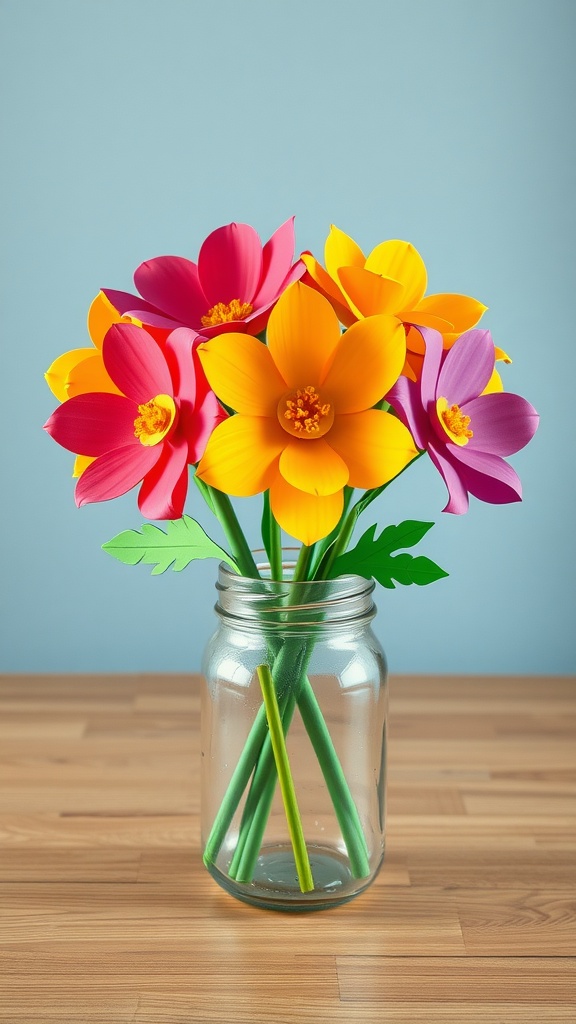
289,560
277,604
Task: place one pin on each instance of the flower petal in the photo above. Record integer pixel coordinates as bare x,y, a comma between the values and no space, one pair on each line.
156,323
115,473
136,363
241,456
341,251
316,277
367,362
413,366
303,333
199,409
374,445
501,423
200,425
94,424
494,384
81,462
431,366
123,303
501,355
369,294
230,264
277,257
487,476
183,366
165,486
405,399
403,263
462,311
304,516
257,321
101,315
241,371
57,373
467,368
172,285
422,319
313,466
90,375
450,473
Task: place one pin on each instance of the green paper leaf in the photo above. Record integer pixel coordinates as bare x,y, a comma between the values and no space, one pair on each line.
183,542
266,526
372,557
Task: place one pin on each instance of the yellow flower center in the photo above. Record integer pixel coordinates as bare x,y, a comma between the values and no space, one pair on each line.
304,413
223,313
454,422
155,419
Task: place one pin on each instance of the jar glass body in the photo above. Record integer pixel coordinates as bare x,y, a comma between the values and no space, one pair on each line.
330,682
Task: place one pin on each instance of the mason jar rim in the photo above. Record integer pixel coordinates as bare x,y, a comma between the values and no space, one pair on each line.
266,603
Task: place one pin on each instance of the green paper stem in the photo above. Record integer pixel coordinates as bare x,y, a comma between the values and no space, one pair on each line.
257,759
236,786
349,522
344,806
322,546
293,819
222,507
259,802
259,798
303,564
276,568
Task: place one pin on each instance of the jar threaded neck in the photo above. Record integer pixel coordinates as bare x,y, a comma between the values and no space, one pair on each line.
278,604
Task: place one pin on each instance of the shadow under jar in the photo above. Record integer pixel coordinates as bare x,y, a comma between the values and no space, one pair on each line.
315,644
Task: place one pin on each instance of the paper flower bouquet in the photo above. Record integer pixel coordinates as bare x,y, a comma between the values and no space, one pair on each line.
315,386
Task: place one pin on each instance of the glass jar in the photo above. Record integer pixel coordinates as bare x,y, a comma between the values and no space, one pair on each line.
327,671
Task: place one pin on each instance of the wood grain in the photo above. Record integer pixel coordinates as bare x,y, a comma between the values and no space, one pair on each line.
108,917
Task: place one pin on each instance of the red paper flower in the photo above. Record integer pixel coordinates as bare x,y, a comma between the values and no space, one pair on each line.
151,431
232,287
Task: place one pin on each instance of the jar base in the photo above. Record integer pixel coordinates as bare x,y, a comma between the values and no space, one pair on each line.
275,883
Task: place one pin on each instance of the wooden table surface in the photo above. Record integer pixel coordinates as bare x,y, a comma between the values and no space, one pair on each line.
108,916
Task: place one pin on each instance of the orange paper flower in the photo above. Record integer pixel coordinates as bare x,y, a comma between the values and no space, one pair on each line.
306,425
392,279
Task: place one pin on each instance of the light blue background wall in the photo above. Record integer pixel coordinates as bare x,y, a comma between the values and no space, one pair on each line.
132,128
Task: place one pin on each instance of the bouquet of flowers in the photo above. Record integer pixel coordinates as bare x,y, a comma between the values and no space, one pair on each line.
315,386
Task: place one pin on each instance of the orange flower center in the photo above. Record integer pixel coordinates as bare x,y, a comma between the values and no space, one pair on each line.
223,313
454,422
155,419
304,413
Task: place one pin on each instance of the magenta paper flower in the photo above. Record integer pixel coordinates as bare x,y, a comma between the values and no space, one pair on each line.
232,287
465,432
149,433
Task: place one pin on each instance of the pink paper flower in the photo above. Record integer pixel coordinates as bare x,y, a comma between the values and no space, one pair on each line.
151,432
464,431
232,287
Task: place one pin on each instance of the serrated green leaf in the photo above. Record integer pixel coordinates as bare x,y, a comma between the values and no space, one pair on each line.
183,542
407,569
372,557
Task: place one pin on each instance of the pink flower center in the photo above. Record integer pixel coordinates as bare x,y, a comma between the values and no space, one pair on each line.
223,313
454,422
304,413
154,420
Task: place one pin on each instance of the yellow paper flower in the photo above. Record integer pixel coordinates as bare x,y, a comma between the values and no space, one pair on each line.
392,280
81,371
305,424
